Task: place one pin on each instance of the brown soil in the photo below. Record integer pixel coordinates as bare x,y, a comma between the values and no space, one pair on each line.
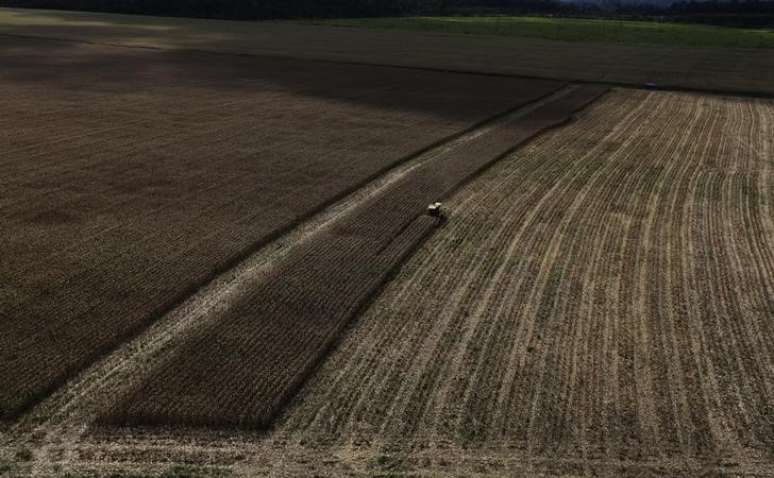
132,177
717,69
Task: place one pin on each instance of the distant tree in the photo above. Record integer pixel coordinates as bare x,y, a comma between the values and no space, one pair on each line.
758,12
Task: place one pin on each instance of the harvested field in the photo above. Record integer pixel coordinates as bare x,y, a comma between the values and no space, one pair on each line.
286,325
598,305
599,302
131,177
718,69
605,294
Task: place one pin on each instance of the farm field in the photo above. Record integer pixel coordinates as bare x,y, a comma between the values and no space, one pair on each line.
132,177
576,30
602,297
744,70
216,257
598,303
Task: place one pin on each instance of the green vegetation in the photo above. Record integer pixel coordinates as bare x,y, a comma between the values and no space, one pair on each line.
175,471
576,29
24,454
388,465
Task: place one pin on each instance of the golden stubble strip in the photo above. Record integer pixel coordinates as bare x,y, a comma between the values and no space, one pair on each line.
605,293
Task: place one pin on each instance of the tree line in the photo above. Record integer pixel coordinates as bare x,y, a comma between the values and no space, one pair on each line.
745,11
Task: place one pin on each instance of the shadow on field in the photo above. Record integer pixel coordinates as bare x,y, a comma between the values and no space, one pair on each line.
727,70
100,69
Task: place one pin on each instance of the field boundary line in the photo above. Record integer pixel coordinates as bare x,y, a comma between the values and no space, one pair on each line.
456,71
511,462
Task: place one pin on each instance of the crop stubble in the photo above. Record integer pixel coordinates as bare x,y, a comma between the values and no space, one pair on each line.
131,177
654,337
606,293
651,363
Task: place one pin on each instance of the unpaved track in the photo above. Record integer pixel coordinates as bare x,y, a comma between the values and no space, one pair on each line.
599,303
716,69
132,177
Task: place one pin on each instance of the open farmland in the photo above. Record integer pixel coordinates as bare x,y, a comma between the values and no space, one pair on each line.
131,177
617,325
745,70
222,264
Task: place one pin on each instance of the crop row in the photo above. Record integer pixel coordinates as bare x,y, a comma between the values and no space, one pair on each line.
603,294
132,177
242,368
